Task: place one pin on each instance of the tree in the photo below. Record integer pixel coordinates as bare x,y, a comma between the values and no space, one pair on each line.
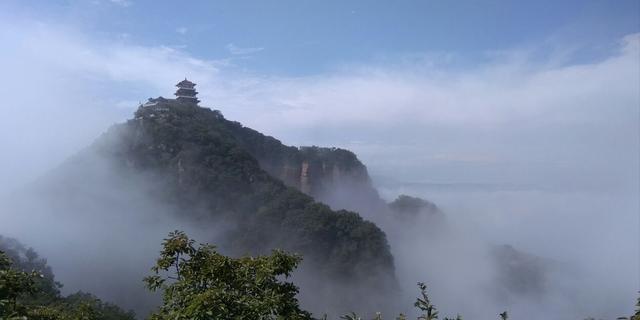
33,295
200,283
351,316
636,315
425,305
13,284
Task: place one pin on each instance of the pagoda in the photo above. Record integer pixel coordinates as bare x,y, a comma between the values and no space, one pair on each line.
186,92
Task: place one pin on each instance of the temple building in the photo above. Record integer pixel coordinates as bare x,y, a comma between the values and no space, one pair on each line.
186,92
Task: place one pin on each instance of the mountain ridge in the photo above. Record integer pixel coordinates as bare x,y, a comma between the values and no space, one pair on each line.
204,151
190,163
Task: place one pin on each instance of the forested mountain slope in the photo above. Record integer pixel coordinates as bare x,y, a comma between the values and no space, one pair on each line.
190,162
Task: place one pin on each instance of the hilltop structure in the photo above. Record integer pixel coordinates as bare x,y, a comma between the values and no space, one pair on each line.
186,92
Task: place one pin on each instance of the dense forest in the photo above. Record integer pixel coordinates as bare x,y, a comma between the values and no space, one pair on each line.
206,159
28,290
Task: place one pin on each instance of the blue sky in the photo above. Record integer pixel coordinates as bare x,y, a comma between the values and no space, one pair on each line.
506,92
307,37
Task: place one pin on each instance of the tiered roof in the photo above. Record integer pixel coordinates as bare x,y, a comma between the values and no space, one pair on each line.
185,84
186,92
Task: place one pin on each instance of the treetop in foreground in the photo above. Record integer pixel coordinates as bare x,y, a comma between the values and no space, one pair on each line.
200,283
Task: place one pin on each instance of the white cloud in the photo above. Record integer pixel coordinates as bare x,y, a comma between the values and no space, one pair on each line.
122,3
553,113
489,95
182,30
532,120
235,50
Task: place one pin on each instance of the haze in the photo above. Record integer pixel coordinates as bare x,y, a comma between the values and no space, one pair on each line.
522,124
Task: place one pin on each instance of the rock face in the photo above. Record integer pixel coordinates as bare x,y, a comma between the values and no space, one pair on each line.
331,175
312,170
315,170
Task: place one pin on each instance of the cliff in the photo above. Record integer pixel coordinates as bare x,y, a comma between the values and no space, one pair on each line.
331,175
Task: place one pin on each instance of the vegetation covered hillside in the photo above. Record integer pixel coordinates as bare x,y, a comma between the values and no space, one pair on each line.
28,290
408,206
202,168
204,161
334,176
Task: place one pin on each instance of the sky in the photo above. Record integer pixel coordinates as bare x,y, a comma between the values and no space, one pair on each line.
305,37
535,103
492,92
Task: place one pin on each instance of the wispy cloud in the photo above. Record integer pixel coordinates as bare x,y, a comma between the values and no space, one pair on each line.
235,50
182,30
122,3
425,109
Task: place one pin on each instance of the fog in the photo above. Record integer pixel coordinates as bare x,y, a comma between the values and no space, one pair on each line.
99,227
587,240
542,156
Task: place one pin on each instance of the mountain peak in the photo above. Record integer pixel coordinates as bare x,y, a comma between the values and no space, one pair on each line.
214,172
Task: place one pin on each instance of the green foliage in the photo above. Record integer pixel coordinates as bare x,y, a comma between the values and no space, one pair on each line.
423,303
351,316
79,306
196,282
224,168
34,294
27,260
200,283
13,285
636,315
